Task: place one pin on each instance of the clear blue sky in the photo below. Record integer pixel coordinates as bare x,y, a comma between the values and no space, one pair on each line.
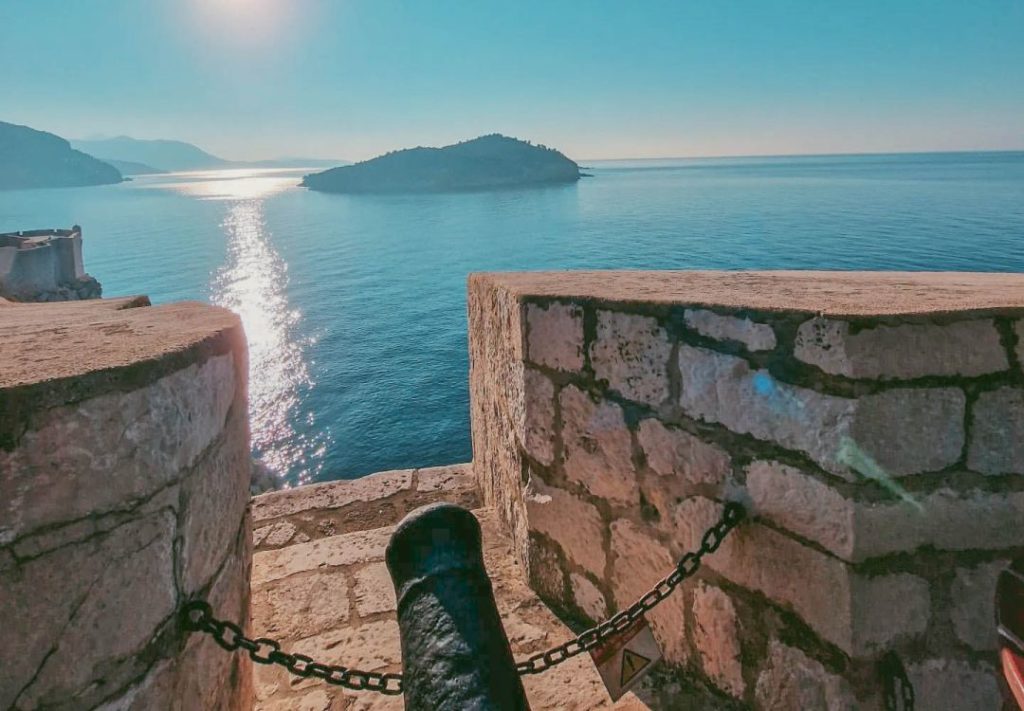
352,78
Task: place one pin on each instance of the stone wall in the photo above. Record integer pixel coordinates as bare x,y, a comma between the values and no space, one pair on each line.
124,480
873,425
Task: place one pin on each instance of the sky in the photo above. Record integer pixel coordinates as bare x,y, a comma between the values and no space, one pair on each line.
252,79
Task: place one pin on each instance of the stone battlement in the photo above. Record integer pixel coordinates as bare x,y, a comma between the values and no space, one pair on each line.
872,423
45,265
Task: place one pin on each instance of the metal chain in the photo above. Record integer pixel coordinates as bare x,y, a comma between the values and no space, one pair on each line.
898,691
685,568
198,616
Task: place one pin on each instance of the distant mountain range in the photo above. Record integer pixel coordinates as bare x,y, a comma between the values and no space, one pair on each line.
492,161
36,159
173,156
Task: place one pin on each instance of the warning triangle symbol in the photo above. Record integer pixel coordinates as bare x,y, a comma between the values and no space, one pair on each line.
632,665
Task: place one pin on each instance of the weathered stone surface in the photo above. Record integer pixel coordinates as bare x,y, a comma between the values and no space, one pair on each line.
124,581
330,495
722,388
215,495
639,561
571,522
631,352
754,336
374,591
540,417
684,464
954,685
555,335
894,432
792,680
587,597
856,530
909,430
715,638
1019,329
973,608
449,479
804,505
274,535
107,452
335,551
687,522
598,447
910,350
300,607
997,433
856,613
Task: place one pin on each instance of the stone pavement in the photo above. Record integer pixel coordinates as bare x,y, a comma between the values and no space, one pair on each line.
320,586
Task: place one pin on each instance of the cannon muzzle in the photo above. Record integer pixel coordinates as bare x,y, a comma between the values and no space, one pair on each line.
455,654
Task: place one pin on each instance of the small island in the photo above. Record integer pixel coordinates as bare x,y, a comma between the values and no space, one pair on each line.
493,161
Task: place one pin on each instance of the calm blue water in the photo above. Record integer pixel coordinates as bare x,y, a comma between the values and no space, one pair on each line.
355,305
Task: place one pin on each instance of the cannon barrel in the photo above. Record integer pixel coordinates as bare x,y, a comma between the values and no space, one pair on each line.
455,654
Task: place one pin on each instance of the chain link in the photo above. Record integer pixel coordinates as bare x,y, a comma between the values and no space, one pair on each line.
198,616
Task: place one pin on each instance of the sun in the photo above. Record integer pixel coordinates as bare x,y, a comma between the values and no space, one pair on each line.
245,22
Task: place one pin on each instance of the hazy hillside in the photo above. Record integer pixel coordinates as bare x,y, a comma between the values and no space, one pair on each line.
161,154
36,159
128,167
487,162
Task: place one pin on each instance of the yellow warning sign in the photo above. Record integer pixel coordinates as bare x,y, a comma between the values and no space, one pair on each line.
622,660
632,664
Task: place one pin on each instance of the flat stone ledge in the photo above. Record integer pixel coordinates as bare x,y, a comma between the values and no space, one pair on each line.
811,292
61,353
316,511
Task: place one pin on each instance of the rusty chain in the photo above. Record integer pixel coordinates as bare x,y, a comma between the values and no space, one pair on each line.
197,616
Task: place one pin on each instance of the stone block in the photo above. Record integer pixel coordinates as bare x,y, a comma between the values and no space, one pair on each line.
452,478
752,335
683,464
997,432
539,394
909,430
330,495
598,449
954,685
716,638
792,680
215,497
335,551
675,453
555,336
858,614
892,433
574,524
631,353
904,351
857,530
587,597
973,604
301,606
105,619
687,522
274,535
639,561
374,592
109,451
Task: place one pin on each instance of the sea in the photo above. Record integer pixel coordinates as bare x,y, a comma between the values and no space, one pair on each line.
355,306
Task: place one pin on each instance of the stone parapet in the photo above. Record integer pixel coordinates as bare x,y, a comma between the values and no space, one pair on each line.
124,479
871,423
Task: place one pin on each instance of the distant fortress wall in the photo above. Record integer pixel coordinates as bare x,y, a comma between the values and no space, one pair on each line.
44,265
